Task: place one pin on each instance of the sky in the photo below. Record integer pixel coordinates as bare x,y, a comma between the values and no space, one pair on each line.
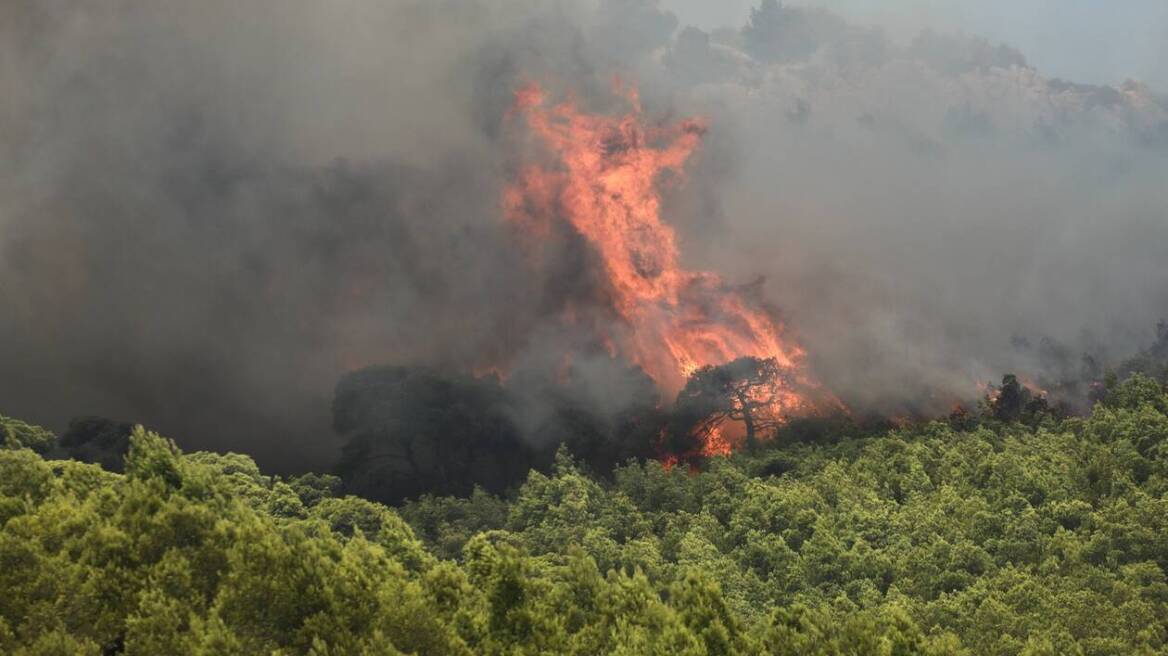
1090,41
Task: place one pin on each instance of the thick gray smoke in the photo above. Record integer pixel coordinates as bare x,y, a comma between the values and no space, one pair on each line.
210,211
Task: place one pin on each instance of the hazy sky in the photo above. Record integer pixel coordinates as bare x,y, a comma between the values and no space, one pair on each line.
1094,41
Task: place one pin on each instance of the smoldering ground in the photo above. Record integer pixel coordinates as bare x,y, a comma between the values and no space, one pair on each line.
211,211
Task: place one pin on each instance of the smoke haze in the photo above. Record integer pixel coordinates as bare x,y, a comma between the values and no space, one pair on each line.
211,211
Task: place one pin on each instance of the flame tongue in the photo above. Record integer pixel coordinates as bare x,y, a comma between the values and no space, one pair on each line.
605,184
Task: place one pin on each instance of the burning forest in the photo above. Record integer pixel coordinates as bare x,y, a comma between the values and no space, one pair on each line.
603,183
510,327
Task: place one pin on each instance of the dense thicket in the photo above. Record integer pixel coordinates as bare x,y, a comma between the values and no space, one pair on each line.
979,536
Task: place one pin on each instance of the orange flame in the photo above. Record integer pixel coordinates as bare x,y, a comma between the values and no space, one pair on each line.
605,181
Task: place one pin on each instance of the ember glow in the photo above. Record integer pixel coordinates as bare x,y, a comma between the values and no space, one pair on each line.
604,178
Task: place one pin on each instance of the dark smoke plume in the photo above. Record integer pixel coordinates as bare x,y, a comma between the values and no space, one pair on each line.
210,212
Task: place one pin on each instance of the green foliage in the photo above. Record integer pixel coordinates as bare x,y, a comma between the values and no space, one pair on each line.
1008,538
198,554
16,434
447,523
1021,534
313,488
1136,392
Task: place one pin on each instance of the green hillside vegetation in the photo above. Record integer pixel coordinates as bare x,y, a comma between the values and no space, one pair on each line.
980,535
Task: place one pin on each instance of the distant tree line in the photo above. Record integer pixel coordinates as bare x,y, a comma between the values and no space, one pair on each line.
409,431
415,430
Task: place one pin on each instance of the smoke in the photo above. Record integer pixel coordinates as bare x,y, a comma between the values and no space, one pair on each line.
917,210
211,211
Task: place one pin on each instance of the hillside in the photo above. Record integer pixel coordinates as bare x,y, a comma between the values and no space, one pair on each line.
969,536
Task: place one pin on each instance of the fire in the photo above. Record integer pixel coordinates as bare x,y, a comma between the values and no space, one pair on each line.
720,441
605,180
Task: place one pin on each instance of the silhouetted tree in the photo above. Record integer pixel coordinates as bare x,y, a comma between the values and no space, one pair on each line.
744,390
1016,402
1011,399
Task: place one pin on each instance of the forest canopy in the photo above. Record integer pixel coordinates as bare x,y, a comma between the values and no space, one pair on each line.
978,535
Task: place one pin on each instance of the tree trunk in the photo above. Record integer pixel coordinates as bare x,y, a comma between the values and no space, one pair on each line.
748,419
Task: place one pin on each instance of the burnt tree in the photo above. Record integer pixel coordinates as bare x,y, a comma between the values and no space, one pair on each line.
745,390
